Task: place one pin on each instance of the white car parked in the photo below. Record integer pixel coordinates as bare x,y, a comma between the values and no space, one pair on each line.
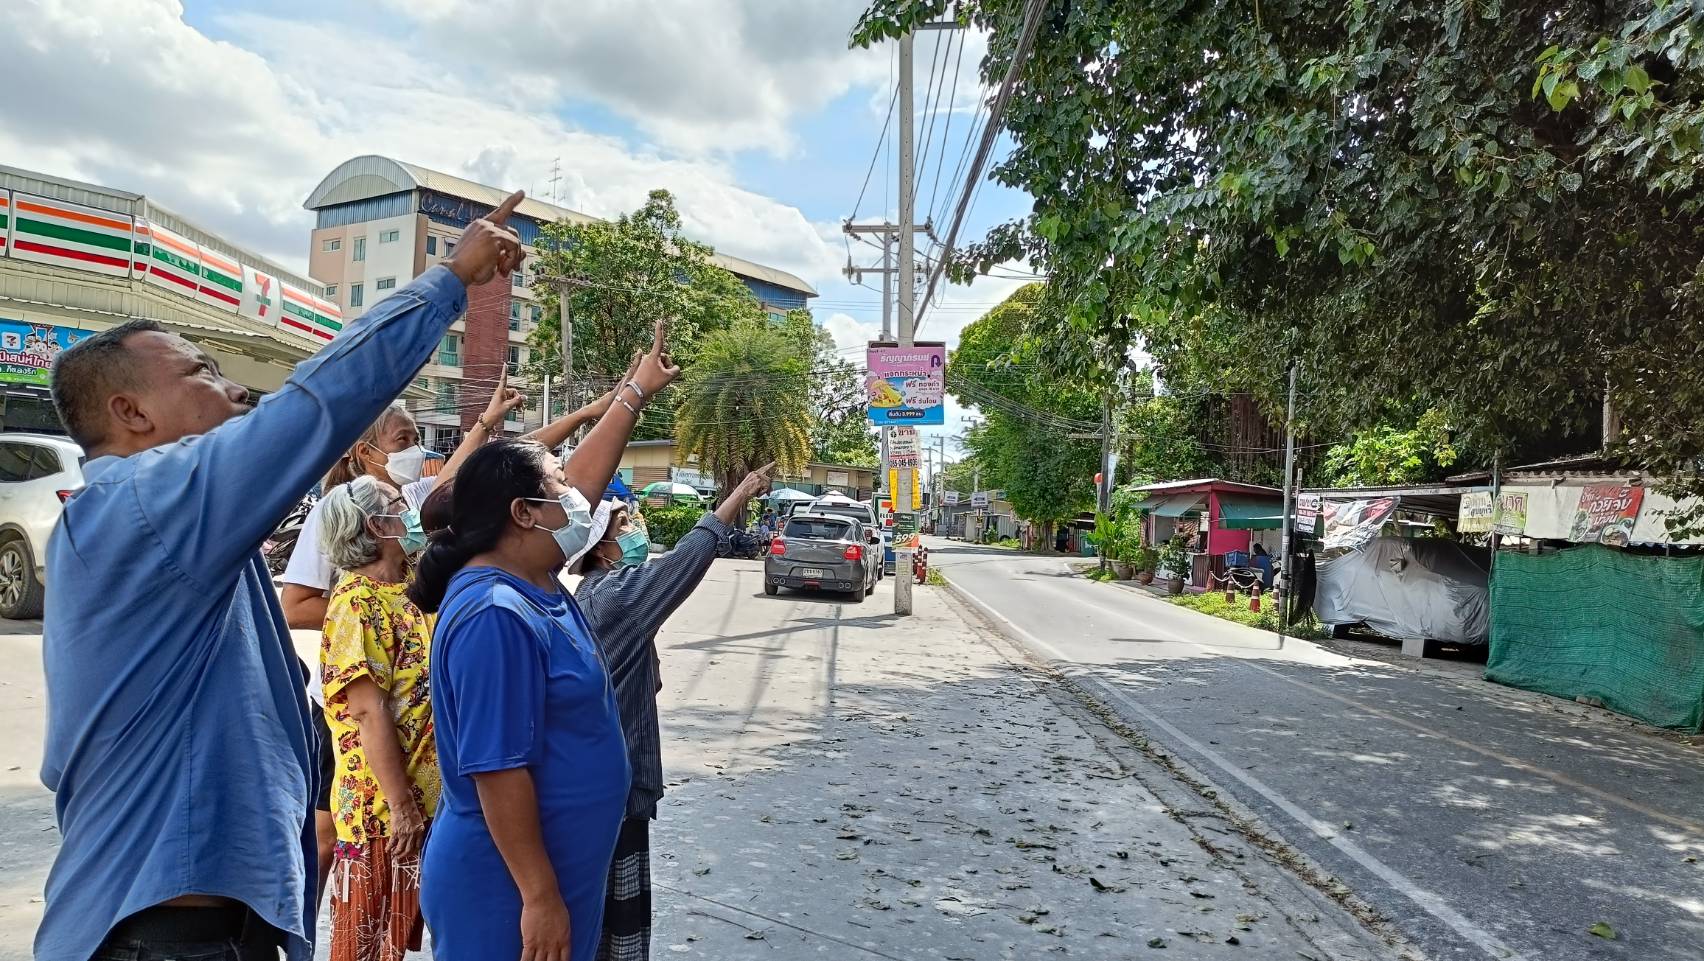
38,474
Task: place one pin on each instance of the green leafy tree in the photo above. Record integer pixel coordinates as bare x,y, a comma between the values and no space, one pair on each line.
840,427
745,402
1023,445
1387,455
622,276
1492,210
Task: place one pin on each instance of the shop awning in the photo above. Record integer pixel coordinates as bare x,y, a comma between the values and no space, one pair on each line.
1177,505
1248,514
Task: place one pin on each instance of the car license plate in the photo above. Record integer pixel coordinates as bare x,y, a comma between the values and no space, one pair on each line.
813,572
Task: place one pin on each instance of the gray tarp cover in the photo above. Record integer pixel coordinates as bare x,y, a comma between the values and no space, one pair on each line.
1409,589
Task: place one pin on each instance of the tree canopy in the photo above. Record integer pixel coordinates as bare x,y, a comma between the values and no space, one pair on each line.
745,402
1022,445
1485,208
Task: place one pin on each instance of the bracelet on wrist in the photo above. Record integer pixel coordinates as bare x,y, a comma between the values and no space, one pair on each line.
637,390
630,408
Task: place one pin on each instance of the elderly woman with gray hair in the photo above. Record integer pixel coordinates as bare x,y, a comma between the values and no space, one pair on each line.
374,653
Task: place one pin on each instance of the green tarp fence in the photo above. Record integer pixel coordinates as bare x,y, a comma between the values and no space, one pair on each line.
1250,514
1625,629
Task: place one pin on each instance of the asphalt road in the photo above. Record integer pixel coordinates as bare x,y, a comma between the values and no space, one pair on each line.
1482,822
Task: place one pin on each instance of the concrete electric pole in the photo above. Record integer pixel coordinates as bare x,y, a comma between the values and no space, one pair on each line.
907,320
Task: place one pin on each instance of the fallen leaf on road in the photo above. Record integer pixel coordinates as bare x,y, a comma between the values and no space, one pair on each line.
1102,886
1602,930
754,936
701,871
1233,941
1156,942
847,855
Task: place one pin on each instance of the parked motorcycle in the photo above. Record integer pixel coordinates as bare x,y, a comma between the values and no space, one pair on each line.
278,547
744,544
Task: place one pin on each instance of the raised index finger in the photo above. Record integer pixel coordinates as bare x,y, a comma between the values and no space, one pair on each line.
658,336
500,216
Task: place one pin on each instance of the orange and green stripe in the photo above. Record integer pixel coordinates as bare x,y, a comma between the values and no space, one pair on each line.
302,313
63,234
221,280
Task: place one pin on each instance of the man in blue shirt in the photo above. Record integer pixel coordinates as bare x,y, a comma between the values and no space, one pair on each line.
178,742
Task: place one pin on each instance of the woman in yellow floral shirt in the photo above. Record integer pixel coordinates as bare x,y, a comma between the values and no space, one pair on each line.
373,664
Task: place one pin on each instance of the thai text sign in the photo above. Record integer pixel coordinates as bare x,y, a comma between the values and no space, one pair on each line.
905,451
1307,513
1606,514
1511,514
27,350
979,499
1477,513
952,498
906,384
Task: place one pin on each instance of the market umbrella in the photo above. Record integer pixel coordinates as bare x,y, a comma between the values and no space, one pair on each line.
789,494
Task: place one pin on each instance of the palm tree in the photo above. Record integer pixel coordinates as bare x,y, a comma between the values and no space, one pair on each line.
746,401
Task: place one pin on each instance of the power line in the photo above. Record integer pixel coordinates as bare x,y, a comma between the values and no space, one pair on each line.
931,107
990,132
876,155
946,128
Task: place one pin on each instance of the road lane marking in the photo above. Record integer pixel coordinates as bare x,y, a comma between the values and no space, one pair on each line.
1428,901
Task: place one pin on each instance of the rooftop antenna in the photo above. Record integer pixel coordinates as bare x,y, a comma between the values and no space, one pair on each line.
556,181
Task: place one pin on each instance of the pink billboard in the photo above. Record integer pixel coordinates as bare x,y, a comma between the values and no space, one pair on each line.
906,385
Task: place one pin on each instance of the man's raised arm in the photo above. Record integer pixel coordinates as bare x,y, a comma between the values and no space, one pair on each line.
223,492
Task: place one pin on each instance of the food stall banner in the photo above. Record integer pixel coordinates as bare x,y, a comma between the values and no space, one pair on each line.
1606,514
1478,512
906,385
1511,514
1351,525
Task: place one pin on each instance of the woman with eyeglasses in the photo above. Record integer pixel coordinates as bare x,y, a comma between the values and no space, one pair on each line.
529,735
375,671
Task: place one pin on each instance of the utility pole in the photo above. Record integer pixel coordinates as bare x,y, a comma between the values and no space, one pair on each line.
1287,572
907,302
1105,499
567,323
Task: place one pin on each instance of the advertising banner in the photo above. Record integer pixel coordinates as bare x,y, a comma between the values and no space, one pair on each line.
906,385
1478,512
1511,514
27,350
1308,509
1351,525
1606,514
902,480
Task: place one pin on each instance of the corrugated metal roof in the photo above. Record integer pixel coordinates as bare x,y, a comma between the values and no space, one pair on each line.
375,176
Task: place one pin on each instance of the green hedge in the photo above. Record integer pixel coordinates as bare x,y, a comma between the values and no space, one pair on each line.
667,525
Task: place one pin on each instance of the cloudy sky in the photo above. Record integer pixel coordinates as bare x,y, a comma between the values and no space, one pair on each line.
753,112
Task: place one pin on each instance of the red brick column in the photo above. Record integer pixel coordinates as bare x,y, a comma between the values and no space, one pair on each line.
485,345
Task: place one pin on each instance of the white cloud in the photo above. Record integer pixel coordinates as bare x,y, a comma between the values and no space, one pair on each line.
234,135
703,76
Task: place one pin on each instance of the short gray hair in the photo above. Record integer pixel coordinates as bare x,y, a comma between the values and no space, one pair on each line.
344,536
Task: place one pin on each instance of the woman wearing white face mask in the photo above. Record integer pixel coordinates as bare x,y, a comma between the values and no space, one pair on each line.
529,735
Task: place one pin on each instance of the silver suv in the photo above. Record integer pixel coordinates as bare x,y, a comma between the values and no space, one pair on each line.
826,552
38,474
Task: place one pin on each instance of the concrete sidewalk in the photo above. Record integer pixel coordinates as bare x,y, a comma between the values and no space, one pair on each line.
848,784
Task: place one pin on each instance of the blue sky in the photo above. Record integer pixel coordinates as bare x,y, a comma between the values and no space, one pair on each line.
755,114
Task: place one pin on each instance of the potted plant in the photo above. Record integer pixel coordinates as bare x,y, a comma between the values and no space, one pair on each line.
1174,563
1145,560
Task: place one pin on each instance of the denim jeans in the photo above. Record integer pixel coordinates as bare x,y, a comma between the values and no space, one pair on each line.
258,942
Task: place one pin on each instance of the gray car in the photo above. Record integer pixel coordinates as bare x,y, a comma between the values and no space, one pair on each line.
824,552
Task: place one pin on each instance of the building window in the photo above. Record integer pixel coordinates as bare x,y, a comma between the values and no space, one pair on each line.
514,316
360,252
445,440
385,283
431,245
330,291
448,397
356,295
537,313
517,280
514,359
449,246
389,236
330,245
449,352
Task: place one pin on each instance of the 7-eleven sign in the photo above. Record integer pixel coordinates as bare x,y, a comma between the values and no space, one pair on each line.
261,297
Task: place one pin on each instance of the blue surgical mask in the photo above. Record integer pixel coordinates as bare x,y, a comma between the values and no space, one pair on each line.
573,537
635,547
413,536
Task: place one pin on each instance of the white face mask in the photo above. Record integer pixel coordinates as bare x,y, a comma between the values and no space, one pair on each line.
575,536
405,465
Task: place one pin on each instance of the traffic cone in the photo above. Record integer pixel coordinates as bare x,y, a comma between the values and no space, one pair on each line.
1254,599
